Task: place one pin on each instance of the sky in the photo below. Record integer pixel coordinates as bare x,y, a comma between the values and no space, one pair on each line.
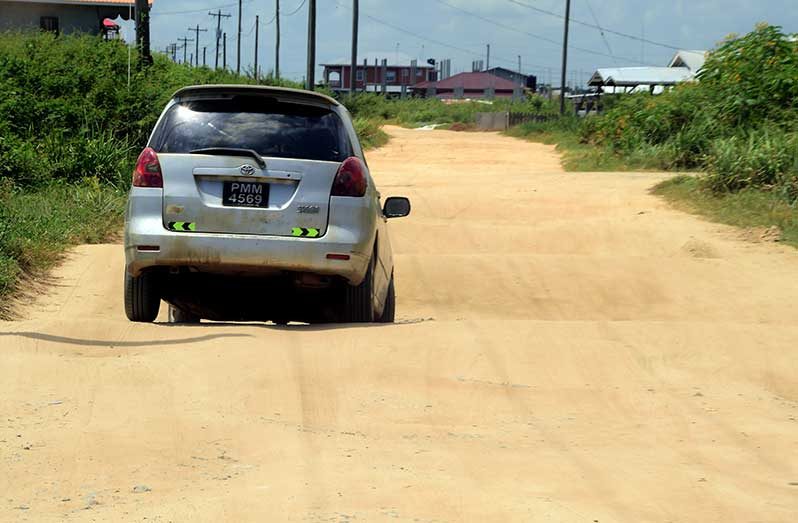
461,29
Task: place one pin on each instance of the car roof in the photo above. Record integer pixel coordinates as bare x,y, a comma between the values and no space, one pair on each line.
297,94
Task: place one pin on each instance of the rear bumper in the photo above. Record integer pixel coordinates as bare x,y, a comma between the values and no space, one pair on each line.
351,230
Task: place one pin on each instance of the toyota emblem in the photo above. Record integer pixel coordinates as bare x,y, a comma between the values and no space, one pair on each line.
247,170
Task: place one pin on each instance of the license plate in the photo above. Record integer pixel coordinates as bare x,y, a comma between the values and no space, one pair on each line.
245,194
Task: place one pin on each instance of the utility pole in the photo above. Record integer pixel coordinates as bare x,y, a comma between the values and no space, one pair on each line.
564,57
311,74
219,17
224,55
257,30
488,67
355,21
143,32
519,64
185,46
197,31
204,49
277,43
238,45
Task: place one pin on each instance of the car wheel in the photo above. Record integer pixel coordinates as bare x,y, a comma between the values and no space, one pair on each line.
178,315
389,313
359,302
142,299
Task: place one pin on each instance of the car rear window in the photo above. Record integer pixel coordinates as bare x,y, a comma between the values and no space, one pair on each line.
267,126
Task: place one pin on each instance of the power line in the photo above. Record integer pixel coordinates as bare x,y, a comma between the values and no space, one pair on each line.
251,30
295,11
603,36
199,10
532,35
594,26
470,52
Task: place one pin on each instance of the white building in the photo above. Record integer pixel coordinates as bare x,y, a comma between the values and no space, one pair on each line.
683,67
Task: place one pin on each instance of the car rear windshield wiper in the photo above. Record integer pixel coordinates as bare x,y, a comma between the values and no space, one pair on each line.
231,151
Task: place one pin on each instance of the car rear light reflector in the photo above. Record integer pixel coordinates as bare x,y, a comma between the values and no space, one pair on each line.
148,170
339,257
148,248
351,179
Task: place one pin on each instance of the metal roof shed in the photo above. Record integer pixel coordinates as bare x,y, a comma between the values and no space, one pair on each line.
692,60
640,76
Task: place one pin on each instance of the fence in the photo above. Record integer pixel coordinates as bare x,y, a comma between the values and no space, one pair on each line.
505,120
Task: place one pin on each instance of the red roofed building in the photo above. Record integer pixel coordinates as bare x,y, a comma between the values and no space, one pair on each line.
64,16
469,85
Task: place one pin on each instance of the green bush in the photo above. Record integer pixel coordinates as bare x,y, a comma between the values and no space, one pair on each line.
764,158
67,111
738,122
370,133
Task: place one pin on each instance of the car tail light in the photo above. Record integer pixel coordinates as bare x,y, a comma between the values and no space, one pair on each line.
351,179
148,170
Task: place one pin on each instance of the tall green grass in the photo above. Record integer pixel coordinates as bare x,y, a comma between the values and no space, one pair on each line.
36,225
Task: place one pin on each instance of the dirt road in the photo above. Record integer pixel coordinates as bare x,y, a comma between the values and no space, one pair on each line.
570,350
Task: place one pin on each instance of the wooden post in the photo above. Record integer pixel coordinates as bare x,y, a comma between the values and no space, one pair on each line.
143,32
257,31
311,72
353,72
277,43
238,45
564,56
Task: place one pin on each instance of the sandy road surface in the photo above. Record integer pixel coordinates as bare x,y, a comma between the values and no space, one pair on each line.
572,351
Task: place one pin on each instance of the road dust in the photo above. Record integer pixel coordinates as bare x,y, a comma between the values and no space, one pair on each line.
569,350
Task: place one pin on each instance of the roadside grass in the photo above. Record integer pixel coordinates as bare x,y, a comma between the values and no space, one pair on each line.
747,208
37,226
370,133
580,156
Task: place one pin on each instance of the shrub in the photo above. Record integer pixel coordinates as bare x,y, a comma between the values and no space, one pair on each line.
763,158
67,111
738,122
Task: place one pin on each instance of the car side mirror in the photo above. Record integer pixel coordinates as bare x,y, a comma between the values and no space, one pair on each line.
396,207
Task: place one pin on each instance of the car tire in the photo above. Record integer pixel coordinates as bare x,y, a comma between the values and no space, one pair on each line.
389,313
142,299
358,299
178,315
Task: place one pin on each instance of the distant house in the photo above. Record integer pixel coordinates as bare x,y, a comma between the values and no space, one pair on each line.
691,60
64,16
393,70
683,67
479,85
528,81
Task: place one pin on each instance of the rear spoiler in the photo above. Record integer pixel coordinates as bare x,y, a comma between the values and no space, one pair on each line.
203,91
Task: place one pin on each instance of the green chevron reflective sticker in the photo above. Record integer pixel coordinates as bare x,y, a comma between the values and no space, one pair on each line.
300,232
182,226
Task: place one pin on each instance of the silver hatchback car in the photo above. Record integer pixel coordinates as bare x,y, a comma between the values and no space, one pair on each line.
256,204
